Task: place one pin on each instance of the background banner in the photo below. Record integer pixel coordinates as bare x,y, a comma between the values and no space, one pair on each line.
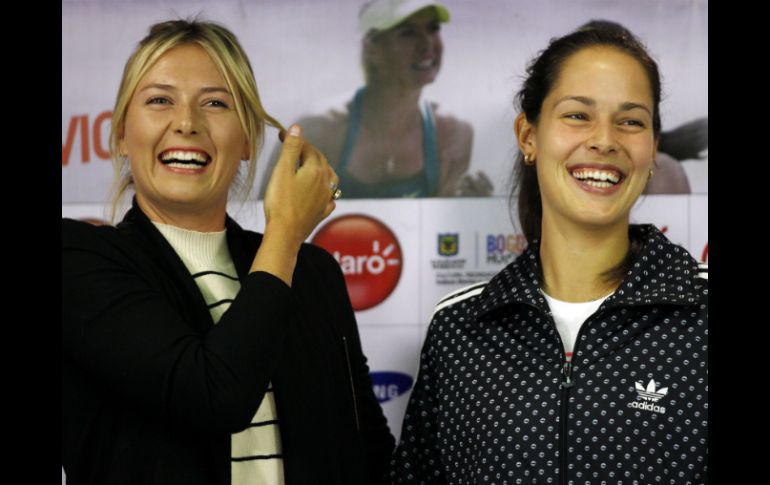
400,256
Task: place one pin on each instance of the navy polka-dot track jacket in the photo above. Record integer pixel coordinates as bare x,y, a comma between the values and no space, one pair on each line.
495,402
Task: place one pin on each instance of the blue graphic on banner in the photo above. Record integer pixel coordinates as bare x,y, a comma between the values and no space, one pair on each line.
504,248
390,385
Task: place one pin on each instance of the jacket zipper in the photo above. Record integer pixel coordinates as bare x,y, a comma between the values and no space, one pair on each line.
352,386
566,385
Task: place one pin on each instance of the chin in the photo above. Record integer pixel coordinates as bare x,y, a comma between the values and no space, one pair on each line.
427,78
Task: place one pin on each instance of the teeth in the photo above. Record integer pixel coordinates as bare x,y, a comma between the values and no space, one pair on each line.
596,175
184,165
425,64
184,155
600,185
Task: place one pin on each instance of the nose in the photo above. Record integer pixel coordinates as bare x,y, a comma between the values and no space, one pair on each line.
426,39
602,139
186,122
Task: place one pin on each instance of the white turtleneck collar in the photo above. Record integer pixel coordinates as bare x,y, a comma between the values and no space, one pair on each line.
197,250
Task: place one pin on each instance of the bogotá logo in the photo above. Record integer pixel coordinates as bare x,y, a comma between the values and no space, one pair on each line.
369,255
448,244
503,248
390,385
648,396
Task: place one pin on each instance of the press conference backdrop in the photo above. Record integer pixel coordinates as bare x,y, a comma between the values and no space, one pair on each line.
399,255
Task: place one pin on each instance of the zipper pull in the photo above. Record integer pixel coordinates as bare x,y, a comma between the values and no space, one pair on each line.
567,374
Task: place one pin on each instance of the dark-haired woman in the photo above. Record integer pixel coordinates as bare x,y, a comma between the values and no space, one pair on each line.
583,361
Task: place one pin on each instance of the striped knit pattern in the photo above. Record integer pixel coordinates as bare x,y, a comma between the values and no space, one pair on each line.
255,452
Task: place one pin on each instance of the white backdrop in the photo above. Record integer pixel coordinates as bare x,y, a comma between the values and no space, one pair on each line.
305,56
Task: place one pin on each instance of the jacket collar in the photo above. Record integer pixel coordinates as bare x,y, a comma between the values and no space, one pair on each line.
138,225
663,273
241,250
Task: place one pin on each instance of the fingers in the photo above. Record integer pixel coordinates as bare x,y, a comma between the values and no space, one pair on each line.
299,194
474,186
333,182
293,144
483,177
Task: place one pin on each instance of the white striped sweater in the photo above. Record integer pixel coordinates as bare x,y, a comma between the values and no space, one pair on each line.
255,452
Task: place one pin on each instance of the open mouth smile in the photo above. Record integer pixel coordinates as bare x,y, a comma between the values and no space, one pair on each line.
184,159
426,64
598,178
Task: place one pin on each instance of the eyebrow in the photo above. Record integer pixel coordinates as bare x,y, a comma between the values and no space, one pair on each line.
627,106
204,90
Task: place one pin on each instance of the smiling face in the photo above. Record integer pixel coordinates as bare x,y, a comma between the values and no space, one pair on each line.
183,137
593,143
409,53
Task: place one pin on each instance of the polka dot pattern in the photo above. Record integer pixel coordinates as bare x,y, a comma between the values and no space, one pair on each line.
489,405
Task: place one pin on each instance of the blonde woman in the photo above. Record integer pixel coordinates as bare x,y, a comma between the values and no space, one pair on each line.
388,141
195,351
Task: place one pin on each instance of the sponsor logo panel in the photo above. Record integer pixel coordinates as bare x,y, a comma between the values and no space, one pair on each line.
368,253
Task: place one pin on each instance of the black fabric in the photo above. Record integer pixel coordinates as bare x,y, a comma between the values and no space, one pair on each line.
495,401
152,390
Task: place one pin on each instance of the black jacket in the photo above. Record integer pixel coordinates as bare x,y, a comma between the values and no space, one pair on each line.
494,401
152,390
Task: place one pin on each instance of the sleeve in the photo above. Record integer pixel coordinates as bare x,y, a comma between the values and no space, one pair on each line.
374,428
417,458
120,328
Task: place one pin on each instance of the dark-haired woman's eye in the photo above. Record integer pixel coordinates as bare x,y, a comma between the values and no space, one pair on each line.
634,123
576,116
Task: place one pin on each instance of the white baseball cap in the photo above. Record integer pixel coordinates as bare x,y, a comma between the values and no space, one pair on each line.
384,14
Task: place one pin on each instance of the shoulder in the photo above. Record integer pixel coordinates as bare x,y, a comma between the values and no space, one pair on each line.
90,250
461,297
702,280
82,235
448,123
455,138
703,271
71,229
327,120
327,128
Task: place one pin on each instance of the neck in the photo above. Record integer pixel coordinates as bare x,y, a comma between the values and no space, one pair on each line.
211,219
574,257
389,106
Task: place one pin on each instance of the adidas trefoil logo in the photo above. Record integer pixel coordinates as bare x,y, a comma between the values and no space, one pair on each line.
647,397
650,394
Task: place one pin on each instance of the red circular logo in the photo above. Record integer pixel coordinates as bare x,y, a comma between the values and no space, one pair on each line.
368,253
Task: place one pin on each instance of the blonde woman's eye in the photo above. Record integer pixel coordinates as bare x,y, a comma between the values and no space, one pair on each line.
217,103
158,100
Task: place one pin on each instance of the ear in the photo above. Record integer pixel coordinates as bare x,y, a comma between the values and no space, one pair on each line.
246,153
369,48
121,138
525,134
